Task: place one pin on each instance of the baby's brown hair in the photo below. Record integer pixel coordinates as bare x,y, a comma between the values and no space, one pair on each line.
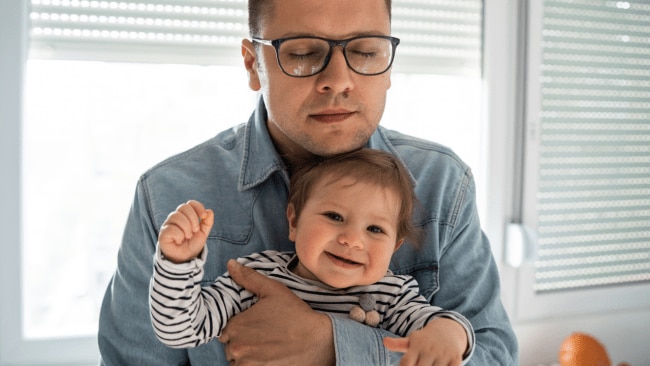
365,165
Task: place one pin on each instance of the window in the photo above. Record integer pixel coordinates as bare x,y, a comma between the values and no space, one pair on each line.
113,87
90,129
587,187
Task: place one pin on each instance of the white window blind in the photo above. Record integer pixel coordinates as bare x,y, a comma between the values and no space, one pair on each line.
594,172
438,36
183,31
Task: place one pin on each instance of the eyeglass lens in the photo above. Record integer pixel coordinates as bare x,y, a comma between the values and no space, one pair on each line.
307,56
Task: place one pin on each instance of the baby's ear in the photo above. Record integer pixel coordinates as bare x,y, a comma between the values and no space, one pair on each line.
292,218
398,244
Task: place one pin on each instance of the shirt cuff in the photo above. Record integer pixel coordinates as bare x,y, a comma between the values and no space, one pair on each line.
359,344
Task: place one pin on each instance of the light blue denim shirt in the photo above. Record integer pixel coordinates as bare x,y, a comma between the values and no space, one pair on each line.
240,176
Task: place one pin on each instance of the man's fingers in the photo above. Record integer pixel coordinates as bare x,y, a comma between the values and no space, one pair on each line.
250,279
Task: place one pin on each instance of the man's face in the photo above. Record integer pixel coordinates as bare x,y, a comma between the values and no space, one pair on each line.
336,110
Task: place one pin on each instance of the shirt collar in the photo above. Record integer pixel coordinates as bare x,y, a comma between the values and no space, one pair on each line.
261,159
380,141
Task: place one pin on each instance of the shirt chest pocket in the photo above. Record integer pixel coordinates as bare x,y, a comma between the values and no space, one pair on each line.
231,233
233,219
219,252
245,223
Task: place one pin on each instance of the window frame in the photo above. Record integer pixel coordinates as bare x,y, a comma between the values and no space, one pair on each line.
14,349
529,305
539,330
13,46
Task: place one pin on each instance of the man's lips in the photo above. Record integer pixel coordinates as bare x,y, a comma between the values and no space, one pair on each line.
333,116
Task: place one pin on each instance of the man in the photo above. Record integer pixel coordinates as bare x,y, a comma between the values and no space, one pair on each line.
317,97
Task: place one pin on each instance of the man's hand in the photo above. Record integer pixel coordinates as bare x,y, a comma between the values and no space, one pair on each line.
279,329
442,342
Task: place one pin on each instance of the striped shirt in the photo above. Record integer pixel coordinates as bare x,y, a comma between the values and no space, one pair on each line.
184,314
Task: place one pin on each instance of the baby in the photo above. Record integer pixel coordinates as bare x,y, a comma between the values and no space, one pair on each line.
347,216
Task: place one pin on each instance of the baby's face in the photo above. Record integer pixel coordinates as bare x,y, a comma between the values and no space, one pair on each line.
346,233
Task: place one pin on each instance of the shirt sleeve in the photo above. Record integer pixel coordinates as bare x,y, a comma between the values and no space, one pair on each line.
359,344
472,286
184,314
125,335
410,312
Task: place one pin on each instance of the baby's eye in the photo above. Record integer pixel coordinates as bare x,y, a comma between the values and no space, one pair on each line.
333,216
375,229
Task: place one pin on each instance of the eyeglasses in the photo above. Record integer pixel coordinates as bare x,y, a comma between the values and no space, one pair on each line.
306,56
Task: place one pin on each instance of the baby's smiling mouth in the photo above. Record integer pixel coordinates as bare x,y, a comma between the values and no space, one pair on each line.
343,260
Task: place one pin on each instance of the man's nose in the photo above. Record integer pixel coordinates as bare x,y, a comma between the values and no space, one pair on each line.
336,77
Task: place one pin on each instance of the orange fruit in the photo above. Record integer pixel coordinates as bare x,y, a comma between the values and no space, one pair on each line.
581,349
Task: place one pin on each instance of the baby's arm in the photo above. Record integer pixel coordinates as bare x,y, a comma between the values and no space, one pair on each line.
442,337
443,341
184,314
185,231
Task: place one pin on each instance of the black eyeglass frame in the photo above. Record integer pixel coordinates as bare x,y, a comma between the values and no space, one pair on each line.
275,43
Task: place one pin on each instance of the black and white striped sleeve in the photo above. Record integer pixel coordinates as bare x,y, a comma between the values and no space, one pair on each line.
410,311
183,313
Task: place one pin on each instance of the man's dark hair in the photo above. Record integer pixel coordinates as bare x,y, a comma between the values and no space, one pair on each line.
260,10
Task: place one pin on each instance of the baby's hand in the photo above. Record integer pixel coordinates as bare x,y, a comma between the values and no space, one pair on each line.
185,231
441,342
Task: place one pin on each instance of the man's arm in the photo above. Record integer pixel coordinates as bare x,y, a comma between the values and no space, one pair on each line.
282,329
125,335
470,285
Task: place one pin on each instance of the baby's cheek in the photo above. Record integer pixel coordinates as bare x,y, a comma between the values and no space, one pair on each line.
380,266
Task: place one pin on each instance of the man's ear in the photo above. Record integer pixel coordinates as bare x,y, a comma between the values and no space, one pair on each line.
293,221
250,63
398,244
